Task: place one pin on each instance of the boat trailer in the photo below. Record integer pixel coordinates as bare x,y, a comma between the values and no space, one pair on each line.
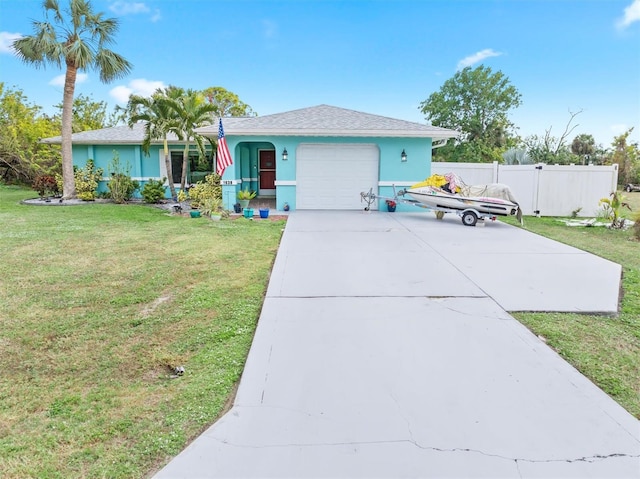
469,215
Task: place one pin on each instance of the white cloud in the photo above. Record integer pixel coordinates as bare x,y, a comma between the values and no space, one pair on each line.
477,58
631,14
156,16
139,86
59,80
128,8
6,41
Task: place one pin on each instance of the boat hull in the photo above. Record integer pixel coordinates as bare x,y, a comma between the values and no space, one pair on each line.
438,199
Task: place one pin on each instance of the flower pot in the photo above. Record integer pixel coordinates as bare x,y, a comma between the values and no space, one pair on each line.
237,208
244,203
248,212
264,212
195,214
390,208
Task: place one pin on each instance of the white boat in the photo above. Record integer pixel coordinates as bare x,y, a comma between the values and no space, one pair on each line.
440,200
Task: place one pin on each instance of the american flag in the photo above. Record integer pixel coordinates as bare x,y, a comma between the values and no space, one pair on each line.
224,157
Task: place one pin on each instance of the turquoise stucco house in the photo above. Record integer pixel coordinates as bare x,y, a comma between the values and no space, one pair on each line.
320,157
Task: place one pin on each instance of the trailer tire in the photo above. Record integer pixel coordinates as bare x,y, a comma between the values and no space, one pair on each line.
469,218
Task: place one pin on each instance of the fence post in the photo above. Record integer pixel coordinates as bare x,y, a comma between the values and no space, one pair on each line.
496,176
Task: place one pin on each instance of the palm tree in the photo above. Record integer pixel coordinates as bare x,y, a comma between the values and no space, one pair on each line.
159,120
193,111
79,42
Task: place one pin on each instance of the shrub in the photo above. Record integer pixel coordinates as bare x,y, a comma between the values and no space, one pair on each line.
211,206
207,189
86,180
153,191
46,185
182,196
121,186
612,207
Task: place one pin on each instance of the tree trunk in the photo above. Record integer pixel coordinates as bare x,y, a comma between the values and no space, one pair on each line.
68,179
167,163
185,165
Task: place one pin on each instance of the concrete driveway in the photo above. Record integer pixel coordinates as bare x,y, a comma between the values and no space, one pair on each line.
384,349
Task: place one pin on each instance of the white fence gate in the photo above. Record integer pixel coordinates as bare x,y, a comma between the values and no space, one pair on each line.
543,190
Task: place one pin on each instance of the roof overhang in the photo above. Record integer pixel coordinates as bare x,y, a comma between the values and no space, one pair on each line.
333,133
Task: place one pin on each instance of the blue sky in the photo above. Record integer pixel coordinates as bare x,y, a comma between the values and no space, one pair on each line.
377,56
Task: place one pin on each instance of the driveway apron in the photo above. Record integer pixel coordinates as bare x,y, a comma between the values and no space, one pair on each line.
384,349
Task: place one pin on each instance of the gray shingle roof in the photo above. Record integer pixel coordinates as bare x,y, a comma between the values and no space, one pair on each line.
322,120
117,134
325,120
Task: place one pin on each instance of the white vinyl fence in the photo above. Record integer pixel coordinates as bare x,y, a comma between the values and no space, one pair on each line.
543,190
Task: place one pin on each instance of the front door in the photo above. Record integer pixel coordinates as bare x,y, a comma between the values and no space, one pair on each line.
267,164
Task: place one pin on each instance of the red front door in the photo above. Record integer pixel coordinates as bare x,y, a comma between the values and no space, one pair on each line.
267,164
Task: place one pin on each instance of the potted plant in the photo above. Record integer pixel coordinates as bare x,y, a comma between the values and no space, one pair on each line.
211,207
264,211
391,206
244,196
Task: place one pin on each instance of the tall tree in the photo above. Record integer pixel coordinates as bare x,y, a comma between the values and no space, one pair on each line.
192,111
583,146
476,102
22,156
226,103
76,37
89,114
159,119
627,156
550,149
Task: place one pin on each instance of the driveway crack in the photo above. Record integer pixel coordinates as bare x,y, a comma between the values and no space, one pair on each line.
516,460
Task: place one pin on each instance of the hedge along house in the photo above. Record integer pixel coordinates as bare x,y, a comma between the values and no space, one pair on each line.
322,157
101,146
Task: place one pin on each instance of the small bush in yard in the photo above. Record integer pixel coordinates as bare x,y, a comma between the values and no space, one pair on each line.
153,191
46,185
86,179
203,190
121,186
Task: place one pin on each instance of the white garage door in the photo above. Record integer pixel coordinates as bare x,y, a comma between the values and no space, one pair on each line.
331,176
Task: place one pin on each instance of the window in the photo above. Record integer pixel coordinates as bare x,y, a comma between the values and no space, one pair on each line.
198,167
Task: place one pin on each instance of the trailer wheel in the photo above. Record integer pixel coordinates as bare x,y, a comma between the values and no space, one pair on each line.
469,218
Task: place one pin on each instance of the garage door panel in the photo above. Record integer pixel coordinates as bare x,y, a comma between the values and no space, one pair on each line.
331,176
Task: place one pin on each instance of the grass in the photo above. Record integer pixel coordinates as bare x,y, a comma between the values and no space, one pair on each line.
97,302
605,349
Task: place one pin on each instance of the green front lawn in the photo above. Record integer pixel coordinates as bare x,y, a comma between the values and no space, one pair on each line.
97,303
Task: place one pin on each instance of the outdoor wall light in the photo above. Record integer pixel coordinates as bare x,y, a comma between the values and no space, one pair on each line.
403,156
285,155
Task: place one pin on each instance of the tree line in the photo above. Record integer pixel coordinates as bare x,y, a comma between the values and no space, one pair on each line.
475,102
172,109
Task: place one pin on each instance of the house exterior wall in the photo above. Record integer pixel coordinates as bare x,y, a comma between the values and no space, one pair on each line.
141,167
392,170
244,171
